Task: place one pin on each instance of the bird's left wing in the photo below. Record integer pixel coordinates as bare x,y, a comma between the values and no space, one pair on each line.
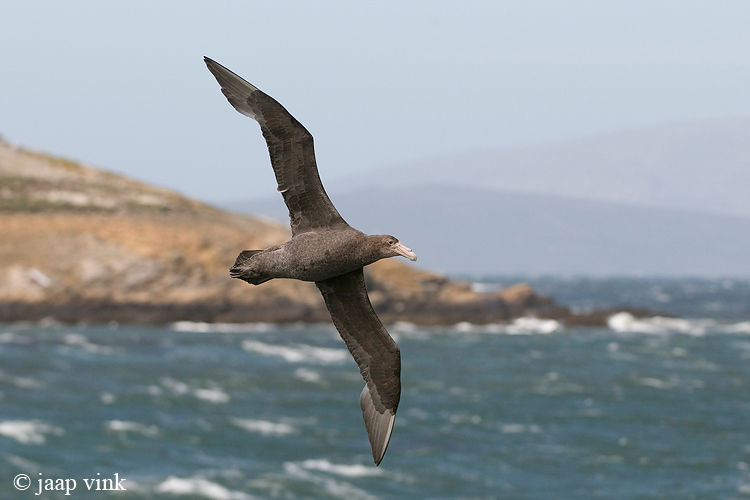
375,352
290,146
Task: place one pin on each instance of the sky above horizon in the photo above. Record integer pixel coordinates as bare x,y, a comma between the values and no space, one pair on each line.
122,85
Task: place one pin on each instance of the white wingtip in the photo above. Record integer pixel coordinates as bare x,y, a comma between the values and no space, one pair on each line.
379,425
235,88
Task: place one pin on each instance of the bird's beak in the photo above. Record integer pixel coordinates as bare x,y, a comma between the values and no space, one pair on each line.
406,252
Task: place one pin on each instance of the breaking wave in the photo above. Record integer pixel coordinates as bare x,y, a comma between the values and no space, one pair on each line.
300,353
336,489
200,327
623,322
355,470
264,427
520,326
28,431
198,486
136,427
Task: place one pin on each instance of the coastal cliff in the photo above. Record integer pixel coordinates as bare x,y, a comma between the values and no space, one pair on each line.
81,244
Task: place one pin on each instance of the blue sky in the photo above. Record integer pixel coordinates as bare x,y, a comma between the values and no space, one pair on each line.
121,85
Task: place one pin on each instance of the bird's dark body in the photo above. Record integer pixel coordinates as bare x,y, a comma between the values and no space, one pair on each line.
323,249
311,256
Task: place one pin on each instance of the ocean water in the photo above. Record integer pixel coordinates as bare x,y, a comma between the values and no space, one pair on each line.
726,299
656,408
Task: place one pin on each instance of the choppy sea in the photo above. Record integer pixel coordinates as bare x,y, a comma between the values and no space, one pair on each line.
655,408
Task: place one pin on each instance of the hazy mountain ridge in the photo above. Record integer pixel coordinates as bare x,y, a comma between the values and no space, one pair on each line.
483,232
702,165
665,200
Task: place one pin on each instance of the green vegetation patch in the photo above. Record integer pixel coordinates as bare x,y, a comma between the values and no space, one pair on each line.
25,204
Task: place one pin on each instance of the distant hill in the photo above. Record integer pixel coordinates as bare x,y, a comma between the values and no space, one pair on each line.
81,244
701,166
483,232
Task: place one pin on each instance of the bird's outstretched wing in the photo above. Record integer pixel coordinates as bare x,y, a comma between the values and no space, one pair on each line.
292,154
375,352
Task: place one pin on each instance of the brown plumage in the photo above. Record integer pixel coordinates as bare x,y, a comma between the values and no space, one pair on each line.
323,249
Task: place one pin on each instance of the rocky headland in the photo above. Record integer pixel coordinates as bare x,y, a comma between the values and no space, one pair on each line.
81,244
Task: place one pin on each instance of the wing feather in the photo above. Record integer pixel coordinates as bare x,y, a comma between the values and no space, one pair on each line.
290,146
375,352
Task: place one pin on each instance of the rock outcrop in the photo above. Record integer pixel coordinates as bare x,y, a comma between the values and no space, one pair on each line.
80,244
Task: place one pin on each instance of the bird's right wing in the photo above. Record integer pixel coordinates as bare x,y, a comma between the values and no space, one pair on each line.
375,352
292,154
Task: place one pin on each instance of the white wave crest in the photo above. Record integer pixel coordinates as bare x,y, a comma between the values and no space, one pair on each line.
337,489
527,325
520,428
200,487
626,322
264,427
404,327
355,470
462,418
520,326
28,431
23,382
199,327
22,463
655,383
78,340
297,354
107,398
175,385
743,327
308,375
9,337
214,395
138,428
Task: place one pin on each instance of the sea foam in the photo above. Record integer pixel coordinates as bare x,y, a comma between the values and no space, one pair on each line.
28,431
212,395
264,427
23,382
308,375
201,487
200,327
78,340
355,470
743,327
520,326
297,354
337,489
138,428
626,322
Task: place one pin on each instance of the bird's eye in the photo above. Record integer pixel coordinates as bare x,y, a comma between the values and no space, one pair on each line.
391,242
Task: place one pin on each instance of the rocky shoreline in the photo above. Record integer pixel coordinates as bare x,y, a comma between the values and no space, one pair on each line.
443,303
79,244
102,312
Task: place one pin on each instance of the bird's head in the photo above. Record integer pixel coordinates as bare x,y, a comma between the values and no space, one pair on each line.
389,246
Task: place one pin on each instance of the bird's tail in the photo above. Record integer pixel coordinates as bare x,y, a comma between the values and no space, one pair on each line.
240,270
244,256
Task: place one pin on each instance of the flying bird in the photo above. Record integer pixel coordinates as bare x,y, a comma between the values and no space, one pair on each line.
323,249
